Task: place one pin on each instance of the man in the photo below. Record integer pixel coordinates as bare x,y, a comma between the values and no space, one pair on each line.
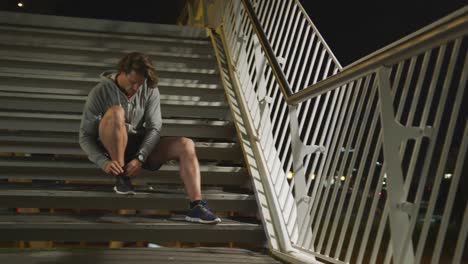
120,132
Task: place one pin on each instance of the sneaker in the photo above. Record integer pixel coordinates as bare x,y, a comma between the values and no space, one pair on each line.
123,185
200,213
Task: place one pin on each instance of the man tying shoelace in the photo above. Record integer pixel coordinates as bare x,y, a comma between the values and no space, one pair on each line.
121,127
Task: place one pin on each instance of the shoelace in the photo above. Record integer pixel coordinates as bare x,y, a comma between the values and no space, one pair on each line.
207,211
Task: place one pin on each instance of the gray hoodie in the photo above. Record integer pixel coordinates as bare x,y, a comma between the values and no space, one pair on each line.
142,116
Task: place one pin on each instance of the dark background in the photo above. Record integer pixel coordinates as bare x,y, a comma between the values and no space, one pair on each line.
352,29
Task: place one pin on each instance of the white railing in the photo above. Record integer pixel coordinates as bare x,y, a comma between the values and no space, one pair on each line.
365,162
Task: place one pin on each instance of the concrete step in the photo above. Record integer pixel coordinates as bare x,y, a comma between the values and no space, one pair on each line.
46,36
45,168
17,82
74,104
161,60
63,227
192,128
29,66
75,196
67,144
122,28
160,255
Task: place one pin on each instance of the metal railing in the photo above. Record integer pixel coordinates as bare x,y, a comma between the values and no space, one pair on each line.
365,163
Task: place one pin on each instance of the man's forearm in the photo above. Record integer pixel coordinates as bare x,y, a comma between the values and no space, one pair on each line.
150,140
95,154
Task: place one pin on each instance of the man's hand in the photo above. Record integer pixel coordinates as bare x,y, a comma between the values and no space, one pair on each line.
133,167
113,167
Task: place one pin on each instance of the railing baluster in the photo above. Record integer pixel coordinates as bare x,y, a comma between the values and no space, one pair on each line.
281,60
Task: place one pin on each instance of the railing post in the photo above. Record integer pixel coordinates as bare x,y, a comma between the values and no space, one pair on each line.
393,134
299,151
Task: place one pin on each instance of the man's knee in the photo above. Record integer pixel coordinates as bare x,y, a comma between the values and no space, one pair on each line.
187,145
115,115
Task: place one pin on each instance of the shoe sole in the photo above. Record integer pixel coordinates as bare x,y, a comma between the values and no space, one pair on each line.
119,192
198,220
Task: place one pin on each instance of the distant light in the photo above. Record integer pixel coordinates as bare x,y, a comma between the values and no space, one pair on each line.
20,4
312,176
448,176
343,178
290,175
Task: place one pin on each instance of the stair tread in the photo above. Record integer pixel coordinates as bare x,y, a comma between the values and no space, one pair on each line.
85,34
91,25
93,80
86,196
134,255
95,221
78,117
45,162
82,99
109,227
97,64
25,136
119,51
77,191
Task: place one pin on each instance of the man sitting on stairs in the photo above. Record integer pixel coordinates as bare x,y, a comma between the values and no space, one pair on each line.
120,132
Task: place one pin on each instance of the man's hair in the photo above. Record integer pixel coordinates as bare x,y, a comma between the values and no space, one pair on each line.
141,64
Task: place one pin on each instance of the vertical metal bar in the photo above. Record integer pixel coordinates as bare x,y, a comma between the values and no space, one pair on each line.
388,254
441,166
273,85
315,197
394,134
287,117
316,130
314,57
427,161
327,165
288,160
350,169
336,157
287,39
350,137
383,221
460,248
309,48
296,82
362,204
265,15
451,195
426,110
314,29
326,126
308,74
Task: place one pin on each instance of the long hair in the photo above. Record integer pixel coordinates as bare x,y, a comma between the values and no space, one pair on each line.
141,64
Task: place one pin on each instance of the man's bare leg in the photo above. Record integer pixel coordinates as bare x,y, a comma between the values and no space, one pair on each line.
183,150
113,133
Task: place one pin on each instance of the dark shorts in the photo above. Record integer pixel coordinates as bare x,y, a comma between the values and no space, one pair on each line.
133,144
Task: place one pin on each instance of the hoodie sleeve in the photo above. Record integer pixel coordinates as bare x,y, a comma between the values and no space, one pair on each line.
89,128
153,124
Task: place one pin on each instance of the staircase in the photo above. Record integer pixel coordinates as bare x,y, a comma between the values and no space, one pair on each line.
50,191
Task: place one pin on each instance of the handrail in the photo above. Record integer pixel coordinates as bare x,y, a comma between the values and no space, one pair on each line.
277,71
452,26
449,27
306,15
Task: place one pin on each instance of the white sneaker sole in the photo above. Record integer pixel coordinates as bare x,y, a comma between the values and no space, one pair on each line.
198,220
126,193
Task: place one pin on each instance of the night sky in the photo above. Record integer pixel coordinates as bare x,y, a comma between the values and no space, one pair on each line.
352,29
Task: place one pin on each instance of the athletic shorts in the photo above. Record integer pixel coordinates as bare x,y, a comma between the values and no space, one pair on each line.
133,145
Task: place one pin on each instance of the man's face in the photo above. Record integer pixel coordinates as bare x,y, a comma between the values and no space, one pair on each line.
133,81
